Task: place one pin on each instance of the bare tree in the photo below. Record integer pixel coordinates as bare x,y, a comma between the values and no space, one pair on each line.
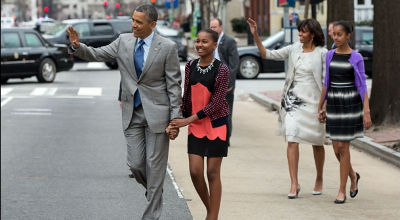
385,93
340,10
215,6
209,8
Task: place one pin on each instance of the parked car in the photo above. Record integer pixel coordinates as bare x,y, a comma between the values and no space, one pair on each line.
24,53
251,63
92,32
175,35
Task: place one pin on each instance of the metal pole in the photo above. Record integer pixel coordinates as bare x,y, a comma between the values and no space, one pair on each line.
314,11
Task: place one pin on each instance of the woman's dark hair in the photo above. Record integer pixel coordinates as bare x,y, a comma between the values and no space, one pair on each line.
347,26
214,35
314,28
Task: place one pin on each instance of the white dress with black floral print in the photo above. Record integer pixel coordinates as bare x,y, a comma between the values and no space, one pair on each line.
301,123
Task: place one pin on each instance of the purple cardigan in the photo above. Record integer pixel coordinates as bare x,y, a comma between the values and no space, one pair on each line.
357,62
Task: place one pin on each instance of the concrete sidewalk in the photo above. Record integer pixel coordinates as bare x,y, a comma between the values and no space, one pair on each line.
374,141
256,181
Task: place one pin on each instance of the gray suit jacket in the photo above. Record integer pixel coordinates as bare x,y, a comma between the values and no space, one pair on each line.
228,54
159,84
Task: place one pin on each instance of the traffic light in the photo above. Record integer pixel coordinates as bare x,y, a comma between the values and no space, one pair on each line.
105,4
153,1
117,5
46,9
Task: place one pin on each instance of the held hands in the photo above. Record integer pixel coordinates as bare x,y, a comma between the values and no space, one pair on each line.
173,128
252,26
73,36
321,115
172,132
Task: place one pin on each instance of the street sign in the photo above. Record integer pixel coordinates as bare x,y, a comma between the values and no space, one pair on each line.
174,3
286,3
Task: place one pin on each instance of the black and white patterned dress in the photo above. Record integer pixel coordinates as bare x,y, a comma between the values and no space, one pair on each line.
344,110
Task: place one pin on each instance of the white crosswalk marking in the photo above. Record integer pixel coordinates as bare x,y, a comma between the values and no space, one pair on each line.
51,91
90,91
96,65
38,91
32,111
5,91
6,101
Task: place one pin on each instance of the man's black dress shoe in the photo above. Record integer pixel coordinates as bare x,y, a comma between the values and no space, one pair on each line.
353,194
340,201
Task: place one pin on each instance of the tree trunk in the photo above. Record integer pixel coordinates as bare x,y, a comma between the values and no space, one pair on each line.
340,10
307,5
205,13
385,93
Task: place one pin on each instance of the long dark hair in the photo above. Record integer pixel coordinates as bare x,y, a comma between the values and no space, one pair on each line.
314,28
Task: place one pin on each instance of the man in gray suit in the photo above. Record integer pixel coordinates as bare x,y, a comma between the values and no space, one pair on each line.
227,53
151,97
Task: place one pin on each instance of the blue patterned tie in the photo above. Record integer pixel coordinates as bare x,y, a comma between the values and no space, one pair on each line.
139,60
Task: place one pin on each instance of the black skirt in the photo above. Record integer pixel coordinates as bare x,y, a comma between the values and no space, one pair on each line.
207,148
344,112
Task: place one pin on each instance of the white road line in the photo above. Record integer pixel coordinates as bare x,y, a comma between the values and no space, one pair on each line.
72,97
51,91
178,191
32,110
31,113
6,100
90,91
38,91
5,91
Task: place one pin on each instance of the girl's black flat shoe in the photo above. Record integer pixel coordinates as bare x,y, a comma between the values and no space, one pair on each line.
353,194
340,201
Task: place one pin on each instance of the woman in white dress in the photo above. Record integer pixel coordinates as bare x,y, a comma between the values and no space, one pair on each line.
298,116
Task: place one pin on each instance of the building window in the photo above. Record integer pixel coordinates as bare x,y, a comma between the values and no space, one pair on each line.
361,2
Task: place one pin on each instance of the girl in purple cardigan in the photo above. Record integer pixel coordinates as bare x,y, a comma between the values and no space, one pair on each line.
347,108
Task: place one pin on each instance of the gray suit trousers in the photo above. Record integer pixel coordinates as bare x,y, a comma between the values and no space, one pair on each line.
147,158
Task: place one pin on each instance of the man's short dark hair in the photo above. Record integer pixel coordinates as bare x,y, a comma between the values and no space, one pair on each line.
149,10
219,21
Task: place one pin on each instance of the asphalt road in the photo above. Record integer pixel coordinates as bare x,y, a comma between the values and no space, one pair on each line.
63,153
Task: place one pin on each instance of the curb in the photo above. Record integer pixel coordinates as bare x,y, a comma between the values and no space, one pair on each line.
365,144
271,104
